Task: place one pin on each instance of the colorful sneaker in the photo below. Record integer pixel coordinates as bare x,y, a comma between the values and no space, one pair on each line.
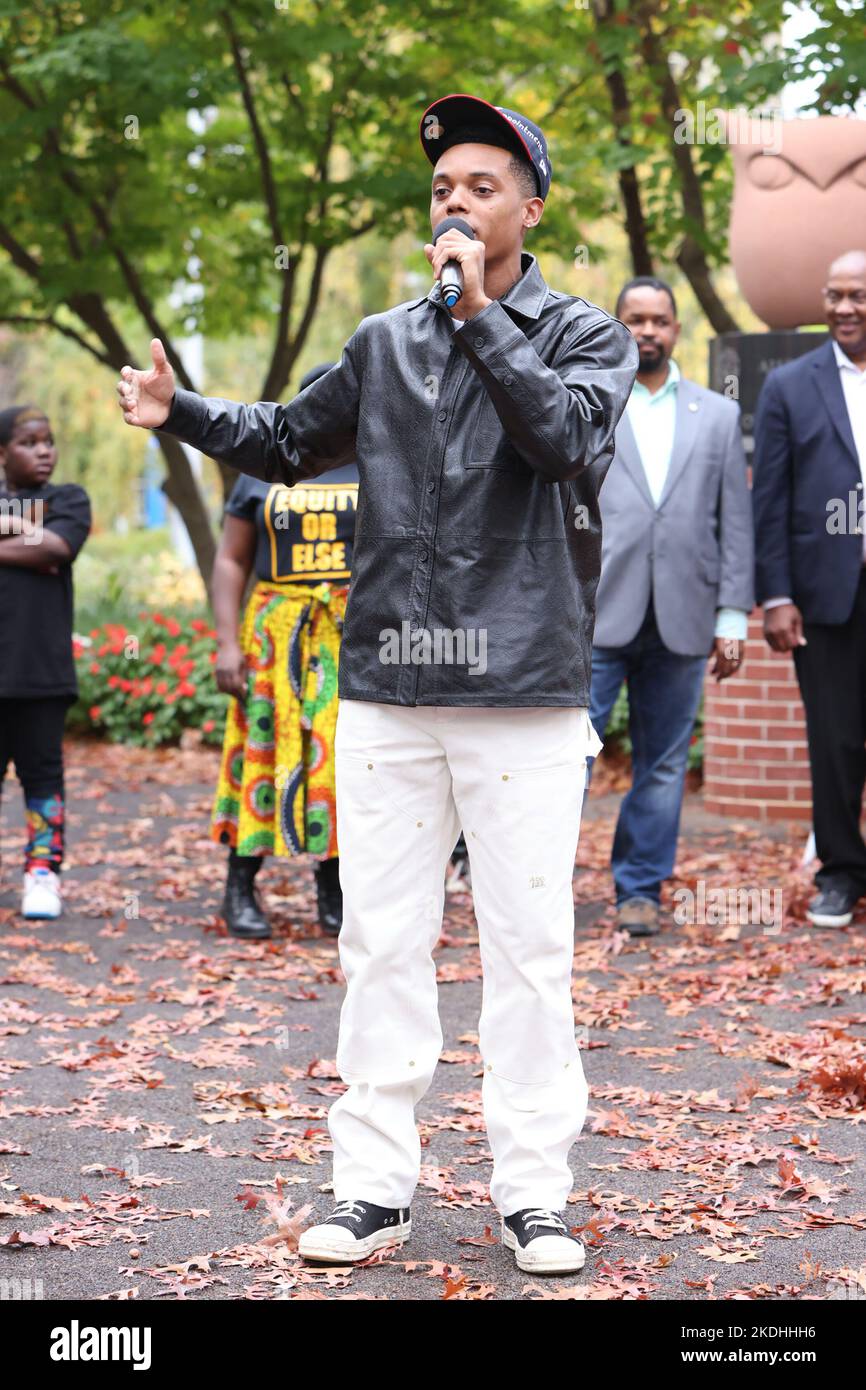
541,1242
41,897
353,1231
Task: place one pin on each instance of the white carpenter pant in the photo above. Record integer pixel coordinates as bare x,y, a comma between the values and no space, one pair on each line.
407,780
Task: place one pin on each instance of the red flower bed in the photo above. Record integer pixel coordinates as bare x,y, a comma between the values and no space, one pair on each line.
146,684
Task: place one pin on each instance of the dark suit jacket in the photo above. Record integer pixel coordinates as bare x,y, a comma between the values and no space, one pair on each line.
805,465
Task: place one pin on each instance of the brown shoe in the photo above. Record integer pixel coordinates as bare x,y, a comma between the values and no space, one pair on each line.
638,916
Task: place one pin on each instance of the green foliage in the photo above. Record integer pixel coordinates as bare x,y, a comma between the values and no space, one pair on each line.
194,170
115,574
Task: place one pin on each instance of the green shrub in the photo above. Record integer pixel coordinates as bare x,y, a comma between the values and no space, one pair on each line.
145,684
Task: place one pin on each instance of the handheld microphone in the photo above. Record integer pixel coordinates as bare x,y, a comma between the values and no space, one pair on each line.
451,275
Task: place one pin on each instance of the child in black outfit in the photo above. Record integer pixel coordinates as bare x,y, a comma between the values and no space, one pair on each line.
42,529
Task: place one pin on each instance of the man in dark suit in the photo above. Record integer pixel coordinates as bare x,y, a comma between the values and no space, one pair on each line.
808,497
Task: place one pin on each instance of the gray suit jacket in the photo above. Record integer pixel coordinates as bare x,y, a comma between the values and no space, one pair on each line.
695,552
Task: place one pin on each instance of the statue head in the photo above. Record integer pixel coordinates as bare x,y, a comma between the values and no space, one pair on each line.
799,203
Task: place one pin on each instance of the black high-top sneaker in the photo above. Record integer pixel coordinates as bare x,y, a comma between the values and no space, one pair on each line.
353,1231
240,909
329,896
541,1242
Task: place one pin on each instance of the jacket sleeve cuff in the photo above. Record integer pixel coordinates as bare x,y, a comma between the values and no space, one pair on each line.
775,602
732,623
185,417
488,339
495,329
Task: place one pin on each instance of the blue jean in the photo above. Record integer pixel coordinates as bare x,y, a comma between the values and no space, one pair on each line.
664,692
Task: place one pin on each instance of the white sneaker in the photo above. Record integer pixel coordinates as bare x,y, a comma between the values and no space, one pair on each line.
41,896
353,1231
541,1241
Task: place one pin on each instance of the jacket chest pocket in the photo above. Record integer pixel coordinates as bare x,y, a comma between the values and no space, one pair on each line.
488,444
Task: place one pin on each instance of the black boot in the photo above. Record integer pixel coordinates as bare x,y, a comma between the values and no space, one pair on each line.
329,895
240,909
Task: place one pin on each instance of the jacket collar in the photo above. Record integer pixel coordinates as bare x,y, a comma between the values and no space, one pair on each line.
527,295
825,362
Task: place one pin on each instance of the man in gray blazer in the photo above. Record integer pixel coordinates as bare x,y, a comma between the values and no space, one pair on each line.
675,588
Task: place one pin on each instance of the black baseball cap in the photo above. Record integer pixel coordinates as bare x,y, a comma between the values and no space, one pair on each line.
459,118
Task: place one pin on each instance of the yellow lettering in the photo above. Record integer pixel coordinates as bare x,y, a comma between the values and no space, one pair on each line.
302,557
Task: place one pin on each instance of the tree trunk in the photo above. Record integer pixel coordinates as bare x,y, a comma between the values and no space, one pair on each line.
693,263
629,187
691,257
182,490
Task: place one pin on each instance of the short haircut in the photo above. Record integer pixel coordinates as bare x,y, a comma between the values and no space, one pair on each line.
650,282
524,173
17,414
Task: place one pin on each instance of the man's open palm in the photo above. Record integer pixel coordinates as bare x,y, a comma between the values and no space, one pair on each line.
145,397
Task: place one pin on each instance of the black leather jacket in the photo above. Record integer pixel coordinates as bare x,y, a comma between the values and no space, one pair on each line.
481,451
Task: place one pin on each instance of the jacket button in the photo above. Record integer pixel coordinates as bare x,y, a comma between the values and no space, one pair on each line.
431,487
507,380
443,415
479,342
423,555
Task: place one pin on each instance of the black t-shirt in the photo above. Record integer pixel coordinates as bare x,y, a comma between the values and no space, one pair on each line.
36,609
305,533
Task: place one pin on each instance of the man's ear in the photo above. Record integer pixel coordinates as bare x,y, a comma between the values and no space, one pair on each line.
532,213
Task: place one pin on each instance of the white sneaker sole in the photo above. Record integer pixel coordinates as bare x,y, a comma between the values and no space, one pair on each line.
542,1264
322,1243
821,919
49,915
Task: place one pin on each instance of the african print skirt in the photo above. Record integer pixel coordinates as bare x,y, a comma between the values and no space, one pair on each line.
276,784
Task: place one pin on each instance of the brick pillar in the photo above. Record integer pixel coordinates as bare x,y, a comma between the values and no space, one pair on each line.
756,759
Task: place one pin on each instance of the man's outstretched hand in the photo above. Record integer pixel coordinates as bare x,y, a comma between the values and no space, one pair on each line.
145,397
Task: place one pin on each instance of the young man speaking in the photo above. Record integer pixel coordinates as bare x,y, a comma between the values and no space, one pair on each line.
481,438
